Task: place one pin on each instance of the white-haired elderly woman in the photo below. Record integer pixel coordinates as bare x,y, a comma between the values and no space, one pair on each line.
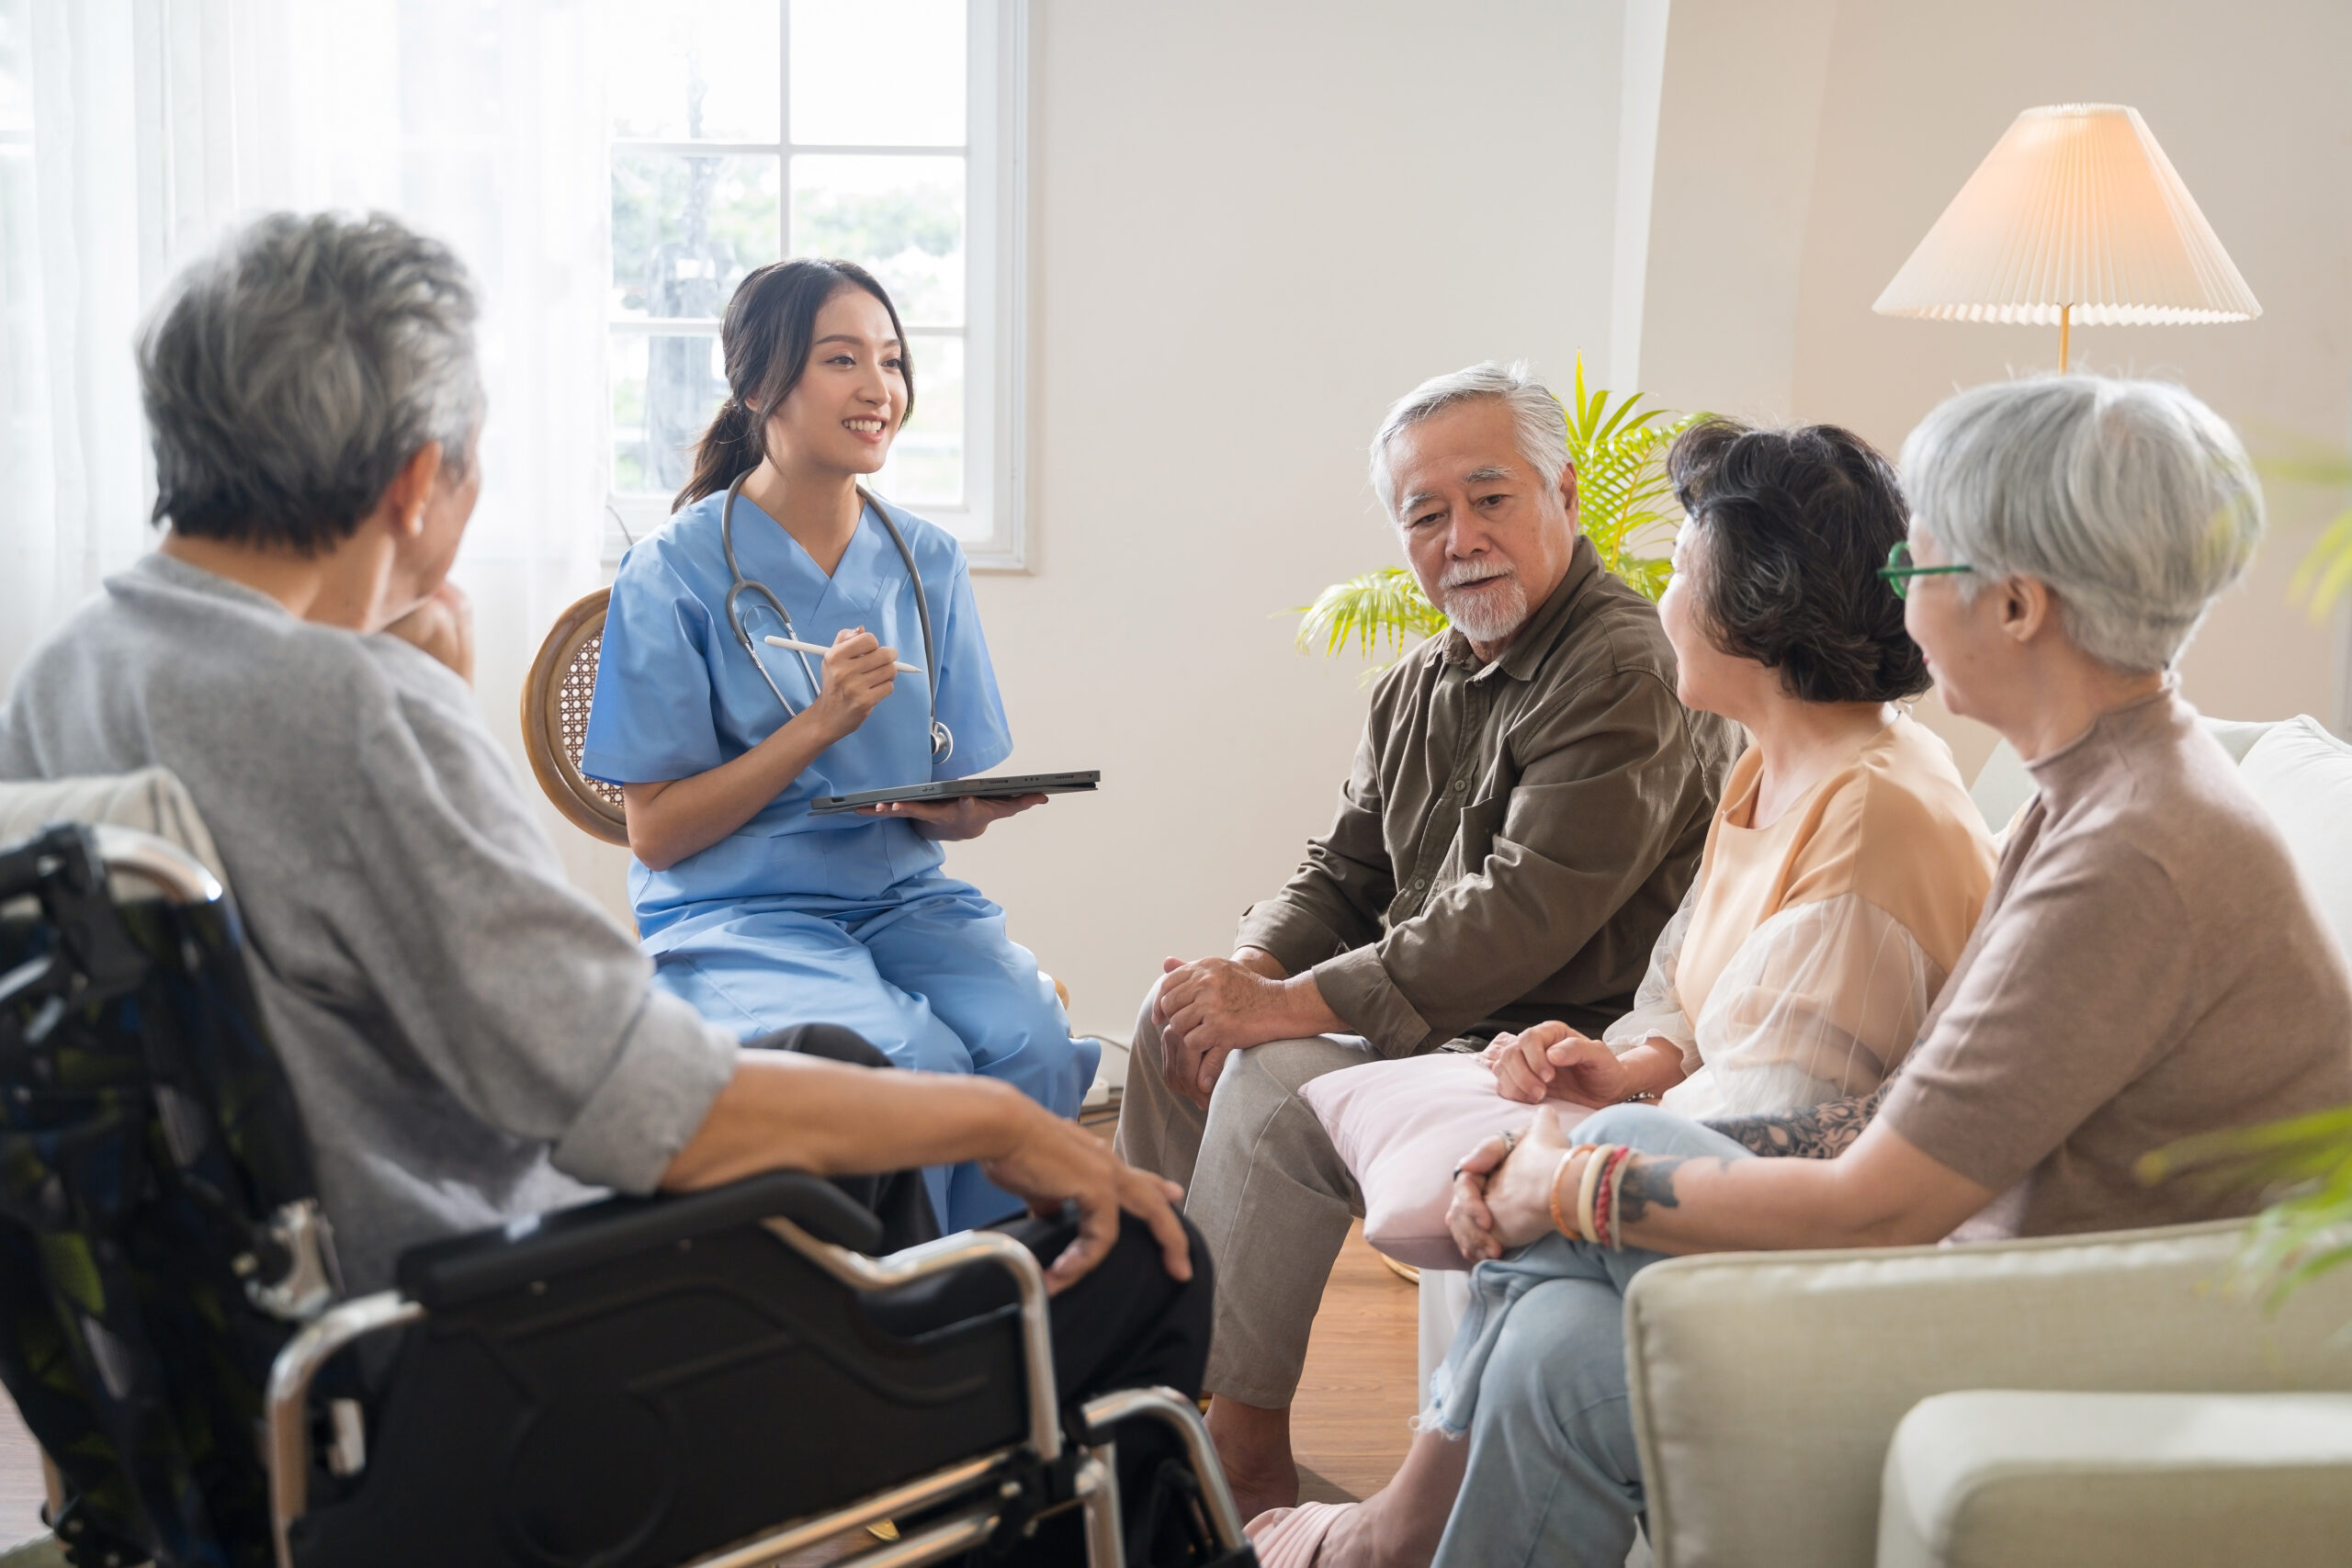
2067,536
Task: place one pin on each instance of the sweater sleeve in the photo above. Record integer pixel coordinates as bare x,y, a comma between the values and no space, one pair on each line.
531,1007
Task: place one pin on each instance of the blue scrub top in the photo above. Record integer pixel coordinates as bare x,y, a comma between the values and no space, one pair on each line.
677,696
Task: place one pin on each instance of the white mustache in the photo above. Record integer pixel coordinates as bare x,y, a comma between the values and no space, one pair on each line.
1465,574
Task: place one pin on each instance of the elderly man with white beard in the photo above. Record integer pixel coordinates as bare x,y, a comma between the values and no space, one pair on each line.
1525,813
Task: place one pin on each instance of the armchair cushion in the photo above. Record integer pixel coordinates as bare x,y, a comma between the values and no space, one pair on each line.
2003,785
1766,1386
2009,1479
2302,775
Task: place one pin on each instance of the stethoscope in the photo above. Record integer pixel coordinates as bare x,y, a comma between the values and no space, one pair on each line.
943,740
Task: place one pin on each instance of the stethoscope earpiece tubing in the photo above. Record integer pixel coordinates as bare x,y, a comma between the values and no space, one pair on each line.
943,740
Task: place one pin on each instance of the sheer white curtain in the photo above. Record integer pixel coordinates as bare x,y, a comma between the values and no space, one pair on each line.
133,131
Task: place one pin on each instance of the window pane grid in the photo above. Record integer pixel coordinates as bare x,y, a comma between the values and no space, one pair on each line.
899,208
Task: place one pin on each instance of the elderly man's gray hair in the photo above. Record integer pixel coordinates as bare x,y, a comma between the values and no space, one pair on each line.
2132,501
1543,423
290,375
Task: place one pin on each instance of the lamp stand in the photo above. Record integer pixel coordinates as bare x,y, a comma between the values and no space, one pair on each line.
2065,320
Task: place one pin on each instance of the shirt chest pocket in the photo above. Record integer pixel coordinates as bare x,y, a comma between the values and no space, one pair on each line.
1482,821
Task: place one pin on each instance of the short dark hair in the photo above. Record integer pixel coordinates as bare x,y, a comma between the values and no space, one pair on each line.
1797,523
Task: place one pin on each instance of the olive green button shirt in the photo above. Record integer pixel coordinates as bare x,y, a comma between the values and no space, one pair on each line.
1513,835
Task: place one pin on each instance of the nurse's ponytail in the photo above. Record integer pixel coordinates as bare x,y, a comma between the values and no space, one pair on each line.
770,326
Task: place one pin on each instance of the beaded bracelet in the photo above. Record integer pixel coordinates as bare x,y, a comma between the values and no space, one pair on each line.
1559,1220
1601,1201
1609,1219
1616,1207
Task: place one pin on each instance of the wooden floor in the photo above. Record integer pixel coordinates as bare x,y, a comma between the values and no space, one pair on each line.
1349,1426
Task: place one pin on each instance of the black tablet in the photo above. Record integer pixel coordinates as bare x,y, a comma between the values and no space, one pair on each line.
984,789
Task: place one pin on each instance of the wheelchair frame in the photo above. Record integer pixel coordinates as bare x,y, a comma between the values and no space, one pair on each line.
986,1477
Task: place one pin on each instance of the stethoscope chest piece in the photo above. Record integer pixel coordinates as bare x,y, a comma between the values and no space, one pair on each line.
943,740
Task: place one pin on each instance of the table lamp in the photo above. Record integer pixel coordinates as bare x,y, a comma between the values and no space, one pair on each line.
2077,215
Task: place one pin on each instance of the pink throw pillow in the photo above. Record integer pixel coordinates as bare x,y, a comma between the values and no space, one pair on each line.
1402,1126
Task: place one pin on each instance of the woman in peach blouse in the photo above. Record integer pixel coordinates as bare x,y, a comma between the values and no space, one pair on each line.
1842,875
1809,949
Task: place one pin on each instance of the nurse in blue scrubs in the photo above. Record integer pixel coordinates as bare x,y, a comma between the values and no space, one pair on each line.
757,912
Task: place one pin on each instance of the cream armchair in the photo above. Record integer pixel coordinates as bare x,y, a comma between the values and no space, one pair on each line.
1769,1388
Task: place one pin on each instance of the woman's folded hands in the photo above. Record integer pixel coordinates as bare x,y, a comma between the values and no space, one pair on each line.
1502,1190
1551,1061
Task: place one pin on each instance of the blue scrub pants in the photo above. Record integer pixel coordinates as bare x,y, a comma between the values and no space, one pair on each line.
1537,1376
928,974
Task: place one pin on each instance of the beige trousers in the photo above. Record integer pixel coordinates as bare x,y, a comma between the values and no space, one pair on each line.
1264,1185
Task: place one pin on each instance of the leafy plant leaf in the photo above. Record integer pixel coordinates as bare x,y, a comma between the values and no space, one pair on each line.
1624,501
1386,606
2324,575
2307,1162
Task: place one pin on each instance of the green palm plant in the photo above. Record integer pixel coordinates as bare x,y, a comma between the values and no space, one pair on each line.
2308,1161
2325,574
1624,505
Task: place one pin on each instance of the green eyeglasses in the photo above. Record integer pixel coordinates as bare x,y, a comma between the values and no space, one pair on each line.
1898,571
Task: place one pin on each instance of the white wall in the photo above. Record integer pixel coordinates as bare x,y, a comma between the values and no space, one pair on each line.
1255,226
1805,146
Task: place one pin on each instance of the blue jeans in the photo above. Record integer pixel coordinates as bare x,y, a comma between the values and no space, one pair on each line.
1537,1376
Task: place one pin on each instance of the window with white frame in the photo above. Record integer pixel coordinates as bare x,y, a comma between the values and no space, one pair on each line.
887,132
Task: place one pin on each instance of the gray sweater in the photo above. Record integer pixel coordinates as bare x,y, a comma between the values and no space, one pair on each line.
470,1039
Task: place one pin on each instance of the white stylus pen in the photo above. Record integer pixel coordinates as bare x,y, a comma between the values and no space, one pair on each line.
821,649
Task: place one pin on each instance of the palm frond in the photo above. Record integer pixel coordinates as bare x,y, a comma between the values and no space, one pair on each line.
1624,501
2294,459
1386,606
2306,1161
2324,575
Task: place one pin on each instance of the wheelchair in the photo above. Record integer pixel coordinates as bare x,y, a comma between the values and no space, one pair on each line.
713,1380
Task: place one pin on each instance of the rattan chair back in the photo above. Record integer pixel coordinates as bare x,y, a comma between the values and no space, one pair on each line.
556,697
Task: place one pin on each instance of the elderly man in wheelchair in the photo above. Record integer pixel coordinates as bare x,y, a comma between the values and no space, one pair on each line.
303,1255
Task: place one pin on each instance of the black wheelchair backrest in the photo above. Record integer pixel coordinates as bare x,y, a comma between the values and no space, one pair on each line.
160,1231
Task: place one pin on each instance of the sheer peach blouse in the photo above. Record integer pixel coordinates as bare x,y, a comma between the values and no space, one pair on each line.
1802,962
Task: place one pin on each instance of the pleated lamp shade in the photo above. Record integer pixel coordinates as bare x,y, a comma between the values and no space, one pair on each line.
2076,211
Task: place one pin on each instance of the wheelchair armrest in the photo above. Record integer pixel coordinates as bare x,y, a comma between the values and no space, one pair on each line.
445,1273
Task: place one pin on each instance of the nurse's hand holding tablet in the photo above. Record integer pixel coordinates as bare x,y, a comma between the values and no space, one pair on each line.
965,817
864,672
751,706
